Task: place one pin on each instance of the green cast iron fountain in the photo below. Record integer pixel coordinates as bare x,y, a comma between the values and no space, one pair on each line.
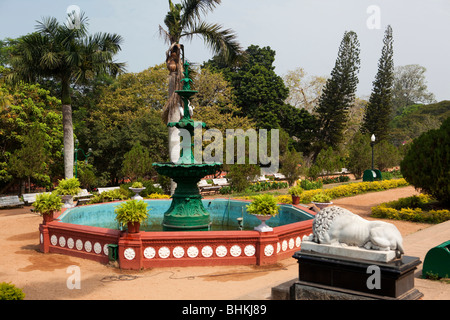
186,211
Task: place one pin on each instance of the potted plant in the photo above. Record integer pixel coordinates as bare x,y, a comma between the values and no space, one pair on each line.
67,188
321,200
264,207
137,187
46,204
132,213
295,193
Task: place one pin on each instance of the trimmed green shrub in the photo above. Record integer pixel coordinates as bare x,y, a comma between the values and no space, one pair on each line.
353,189
9,291
427,163
413,208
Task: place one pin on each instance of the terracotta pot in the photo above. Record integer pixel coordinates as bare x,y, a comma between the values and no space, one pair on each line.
133,227
295,199
47,217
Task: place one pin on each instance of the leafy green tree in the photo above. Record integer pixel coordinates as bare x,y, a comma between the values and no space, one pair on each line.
241,175
328,161
69,55
291,164
427,163
136,163
304,90
386,155
260,94
417,119
30,160
410,87
126,113
359,154
29,108
339,93
379,109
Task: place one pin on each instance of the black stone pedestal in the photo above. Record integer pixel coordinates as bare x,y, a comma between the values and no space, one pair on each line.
326,277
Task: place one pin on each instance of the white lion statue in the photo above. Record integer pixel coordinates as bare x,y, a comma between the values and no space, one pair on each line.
335,225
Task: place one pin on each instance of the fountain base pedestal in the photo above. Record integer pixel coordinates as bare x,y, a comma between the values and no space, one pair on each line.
327,277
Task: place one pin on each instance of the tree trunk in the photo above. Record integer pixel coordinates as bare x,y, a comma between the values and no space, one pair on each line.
67,128
175,67
68,141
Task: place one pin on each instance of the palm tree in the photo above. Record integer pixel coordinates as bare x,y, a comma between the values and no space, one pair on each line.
69,55
183,21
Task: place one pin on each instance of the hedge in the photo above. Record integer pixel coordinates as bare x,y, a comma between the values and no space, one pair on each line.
346,190
353,189
410,209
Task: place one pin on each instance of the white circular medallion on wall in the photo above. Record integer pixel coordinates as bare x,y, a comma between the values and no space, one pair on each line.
149,253
268,250
221,251
298,242
97,248
53,240
62,241
79,244
178,252
291,244
70,243
129,253
249,250
164,252
284,245
105,249
88,246
207,251
235,251
192,252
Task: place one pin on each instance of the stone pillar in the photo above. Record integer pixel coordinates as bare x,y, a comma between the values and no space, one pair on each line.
266,248
130,252
44,239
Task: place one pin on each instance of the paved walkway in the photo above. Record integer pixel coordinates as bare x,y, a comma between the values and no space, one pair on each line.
45,276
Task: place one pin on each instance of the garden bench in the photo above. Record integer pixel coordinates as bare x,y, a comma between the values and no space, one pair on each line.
30,198
206,187
100,190
10,201
279,176
83,196
221,182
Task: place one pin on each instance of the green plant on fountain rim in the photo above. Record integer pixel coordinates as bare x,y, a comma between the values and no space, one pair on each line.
131,211
47,203
264,204
68,187
137,185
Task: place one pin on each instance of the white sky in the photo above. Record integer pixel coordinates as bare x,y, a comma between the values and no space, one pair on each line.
304,33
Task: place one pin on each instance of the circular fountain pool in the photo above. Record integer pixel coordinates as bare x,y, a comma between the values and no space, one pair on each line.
92,232
225,215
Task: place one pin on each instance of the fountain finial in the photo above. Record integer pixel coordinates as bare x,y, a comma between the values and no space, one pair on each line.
187,81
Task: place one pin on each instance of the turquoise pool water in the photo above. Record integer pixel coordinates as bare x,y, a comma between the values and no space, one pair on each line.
224,215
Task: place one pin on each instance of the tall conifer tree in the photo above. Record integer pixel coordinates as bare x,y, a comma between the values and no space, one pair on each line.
379,109
339,93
